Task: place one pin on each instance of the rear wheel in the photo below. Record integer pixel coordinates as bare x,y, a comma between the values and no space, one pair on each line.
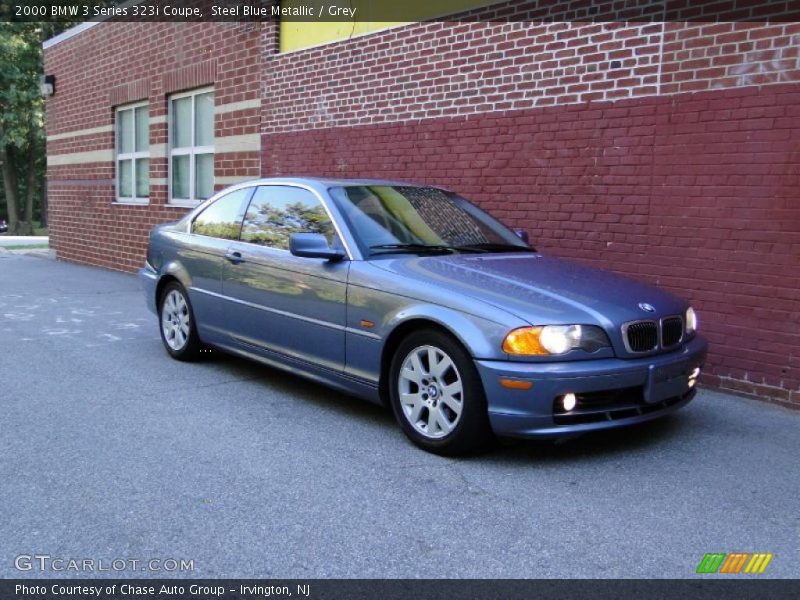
177,326
437,395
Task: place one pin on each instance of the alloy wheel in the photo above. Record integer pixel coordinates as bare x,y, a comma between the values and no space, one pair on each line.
431,391
175,320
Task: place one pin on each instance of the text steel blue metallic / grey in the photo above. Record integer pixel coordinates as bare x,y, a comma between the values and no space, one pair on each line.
408,295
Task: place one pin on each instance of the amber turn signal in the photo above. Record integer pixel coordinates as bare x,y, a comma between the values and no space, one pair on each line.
516,384
525,341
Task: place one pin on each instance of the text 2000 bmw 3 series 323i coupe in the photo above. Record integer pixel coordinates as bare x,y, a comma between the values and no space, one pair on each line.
411,296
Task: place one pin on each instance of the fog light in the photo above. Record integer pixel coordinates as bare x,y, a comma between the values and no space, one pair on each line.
693,376
568,402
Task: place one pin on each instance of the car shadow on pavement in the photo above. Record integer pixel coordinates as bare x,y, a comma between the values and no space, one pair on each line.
304,389
642,436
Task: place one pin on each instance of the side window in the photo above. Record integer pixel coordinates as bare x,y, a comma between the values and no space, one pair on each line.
223,219
276,212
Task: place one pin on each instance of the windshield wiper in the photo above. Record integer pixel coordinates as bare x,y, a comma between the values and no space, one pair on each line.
391,248
493,247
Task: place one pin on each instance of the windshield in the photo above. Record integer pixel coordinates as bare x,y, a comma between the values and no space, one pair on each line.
389,219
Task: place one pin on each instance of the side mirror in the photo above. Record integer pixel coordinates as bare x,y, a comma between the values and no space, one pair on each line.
313,245
523,235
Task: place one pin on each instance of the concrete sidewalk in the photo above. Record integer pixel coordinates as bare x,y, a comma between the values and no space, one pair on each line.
23,240
33,245
112,450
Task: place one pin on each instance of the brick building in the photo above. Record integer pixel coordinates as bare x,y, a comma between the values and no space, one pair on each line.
668,151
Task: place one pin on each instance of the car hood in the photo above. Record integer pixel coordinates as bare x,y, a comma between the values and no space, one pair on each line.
539,289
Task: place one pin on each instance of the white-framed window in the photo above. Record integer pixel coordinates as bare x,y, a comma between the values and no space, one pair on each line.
132,132
191,146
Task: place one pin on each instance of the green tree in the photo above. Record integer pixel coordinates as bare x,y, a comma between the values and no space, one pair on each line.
21,121
22,134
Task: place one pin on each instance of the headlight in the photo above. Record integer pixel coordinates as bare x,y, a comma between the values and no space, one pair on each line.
554,339
691,321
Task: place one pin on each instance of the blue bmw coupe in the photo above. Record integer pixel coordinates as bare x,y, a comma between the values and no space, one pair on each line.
408,295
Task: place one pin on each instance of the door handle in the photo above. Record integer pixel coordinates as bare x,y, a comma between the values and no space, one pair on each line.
234,256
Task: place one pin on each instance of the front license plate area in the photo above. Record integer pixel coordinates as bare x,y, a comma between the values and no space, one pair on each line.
666,381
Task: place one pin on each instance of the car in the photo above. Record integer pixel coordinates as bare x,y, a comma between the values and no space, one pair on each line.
3,226
410,296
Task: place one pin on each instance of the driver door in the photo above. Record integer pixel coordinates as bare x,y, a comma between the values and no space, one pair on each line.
292,306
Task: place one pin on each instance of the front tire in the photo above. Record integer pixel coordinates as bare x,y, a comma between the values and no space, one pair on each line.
437,395
177,325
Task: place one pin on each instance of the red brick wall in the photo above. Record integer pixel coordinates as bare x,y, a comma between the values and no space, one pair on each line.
697,193
619,165
439,69
662,150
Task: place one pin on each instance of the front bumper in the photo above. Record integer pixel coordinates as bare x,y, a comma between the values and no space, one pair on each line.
611,392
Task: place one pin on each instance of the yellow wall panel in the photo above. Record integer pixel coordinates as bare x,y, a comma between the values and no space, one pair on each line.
296,35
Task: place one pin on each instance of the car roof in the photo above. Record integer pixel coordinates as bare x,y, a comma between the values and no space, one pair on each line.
326,182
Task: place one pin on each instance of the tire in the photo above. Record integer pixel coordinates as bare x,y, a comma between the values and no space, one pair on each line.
176,323
441,409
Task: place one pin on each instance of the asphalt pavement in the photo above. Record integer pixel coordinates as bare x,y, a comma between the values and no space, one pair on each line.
110,450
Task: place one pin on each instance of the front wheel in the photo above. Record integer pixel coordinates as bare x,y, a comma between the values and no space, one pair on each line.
437,395
178,329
